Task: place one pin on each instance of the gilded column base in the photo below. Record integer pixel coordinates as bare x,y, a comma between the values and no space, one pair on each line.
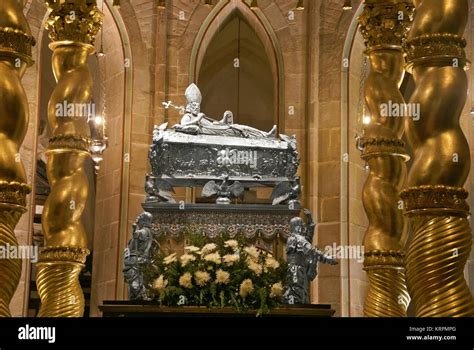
387,295
58,281
10,269
12,206
440,248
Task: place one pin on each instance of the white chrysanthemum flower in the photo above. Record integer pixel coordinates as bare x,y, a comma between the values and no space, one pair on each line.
201,277
214,257
246,287
276,290
232,243
255,267
160,283
186,280
186,259
208,248
271,263
252,252
191,249
170,259
222,277
231,259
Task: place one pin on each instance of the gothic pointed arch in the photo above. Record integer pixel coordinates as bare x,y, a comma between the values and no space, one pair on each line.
232,18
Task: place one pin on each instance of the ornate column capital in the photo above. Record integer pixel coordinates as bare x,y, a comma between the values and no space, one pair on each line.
384,24
75,21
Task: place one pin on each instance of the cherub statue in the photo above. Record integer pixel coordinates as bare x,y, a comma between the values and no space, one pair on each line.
302,260
137,256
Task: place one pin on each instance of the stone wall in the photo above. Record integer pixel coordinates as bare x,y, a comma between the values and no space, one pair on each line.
109,179
333,282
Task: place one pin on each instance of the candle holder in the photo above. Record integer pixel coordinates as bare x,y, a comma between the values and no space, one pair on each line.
99,140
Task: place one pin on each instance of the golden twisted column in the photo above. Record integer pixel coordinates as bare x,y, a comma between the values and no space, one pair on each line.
73,27
435,199
384,25
15,55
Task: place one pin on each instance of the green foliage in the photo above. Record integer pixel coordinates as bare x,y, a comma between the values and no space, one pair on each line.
219,274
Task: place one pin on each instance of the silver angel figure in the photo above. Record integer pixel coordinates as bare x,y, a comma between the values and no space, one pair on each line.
302,260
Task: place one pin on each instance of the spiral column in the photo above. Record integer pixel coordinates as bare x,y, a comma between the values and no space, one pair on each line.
384,25
15,55
72,25
435,199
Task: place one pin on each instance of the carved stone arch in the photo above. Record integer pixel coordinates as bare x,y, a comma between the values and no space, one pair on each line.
262,27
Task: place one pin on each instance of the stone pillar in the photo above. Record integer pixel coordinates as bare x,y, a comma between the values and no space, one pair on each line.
384,25
72,25
15,55
435,199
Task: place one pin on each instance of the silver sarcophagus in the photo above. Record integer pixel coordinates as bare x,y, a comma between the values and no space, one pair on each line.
193,160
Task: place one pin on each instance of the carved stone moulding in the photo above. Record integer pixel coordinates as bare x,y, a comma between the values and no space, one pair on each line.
64,254
69,142
382,258
75,21
440,49
13,194
376,147
16,43
435,200
385,24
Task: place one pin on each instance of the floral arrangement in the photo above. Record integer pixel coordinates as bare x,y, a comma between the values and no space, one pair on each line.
220,274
